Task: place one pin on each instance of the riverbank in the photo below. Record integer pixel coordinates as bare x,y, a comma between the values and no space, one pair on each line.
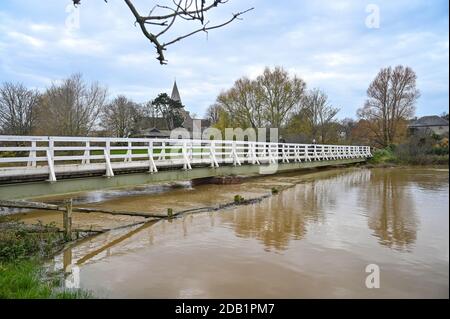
416,150
395,156
23,252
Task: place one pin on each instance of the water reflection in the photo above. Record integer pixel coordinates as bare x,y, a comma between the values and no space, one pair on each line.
278,219
104,195
390,208
111,194
71,271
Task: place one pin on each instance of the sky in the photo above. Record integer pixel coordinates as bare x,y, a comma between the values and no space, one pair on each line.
337,46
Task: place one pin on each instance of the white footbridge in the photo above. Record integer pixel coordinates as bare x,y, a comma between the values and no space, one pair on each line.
53,156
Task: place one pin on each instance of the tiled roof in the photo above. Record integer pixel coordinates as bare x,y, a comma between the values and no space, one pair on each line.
432,120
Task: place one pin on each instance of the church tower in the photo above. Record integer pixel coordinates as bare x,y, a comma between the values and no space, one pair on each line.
175,93
187,120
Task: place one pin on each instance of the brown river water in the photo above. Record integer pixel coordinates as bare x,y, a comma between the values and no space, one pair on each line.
314,239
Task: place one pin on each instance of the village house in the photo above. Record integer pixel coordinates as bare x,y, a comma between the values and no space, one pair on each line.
431,123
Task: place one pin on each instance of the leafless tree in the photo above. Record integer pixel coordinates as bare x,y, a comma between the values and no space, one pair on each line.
17,109
242,104
391,101
319,114
71,108
161,18
213,113
280,94
347,125
121,117
264,102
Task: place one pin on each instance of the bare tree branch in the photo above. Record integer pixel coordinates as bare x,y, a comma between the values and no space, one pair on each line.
190,10
205,28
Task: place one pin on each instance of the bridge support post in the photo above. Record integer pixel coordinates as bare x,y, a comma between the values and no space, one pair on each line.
324,152
307,157
109,171
152,165
284,155
50,161
272,158
296,155
212,155
252,153
129,153
32,161
51,168
236,160
162,153
187,164
86,159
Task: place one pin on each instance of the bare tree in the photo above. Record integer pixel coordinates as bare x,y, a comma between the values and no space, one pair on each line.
121,117
319,114
280,94
264,102
347,125
17,109
71,108
213,113
391,101
161,18
242,104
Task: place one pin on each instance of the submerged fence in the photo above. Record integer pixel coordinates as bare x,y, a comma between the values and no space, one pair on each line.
36,155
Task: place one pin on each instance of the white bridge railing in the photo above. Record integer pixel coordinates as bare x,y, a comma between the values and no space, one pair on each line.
31,155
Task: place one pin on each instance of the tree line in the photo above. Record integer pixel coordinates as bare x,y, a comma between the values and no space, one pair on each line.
275,98
278,99
73,107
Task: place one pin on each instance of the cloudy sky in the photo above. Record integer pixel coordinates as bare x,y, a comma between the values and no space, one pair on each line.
327,43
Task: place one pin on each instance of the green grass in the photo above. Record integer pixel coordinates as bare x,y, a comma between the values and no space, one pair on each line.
398,155
22,254
24,279
123,152
382,156
144,151
21,279
17,243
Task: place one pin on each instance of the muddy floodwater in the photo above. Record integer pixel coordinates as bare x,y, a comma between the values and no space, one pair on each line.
314,238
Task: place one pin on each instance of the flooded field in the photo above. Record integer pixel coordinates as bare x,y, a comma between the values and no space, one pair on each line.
312,239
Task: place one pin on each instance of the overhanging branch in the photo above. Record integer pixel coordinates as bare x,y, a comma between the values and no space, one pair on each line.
191,10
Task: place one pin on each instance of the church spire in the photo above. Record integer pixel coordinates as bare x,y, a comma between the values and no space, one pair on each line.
175,94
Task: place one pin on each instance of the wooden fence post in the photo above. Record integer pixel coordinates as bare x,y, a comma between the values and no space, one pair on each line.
67,219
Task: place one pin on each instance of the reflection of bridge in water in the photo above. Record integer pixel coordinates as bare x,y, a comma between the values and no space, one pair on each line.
36,166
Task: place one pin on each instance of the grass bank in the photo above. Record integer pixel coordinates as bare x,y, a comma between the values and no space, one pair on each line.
397,155
23,252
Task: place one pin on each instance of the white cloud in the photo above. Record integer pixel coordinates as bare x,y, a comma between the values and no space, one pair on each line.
78,45
41,27
336,59
26,39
